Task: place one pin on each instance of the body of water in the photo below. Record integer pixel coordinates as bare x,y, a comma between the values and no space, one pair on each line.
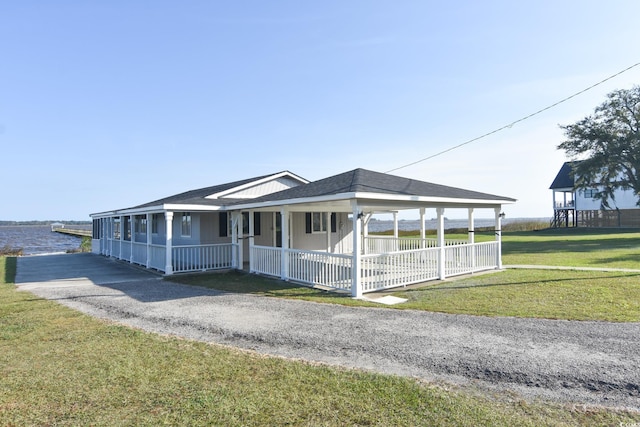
37,239
432,224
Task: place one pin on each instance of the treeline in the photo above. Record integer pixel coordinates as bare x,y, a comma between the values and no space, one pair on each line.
44,222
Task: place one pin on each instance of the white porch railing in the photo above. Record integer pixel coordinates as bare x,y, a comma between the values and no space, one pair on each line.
114,248
312,267
201,257
157,257
126,250
320,268
377,271
266,260
383,271
139,253
386,244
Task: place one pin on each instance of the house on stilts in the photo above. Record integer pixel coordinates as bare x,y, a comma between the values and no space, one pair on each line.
578,207
313,233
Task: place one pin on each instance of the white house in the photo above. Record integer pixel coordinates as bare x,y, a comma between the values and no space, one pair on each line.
577,207
315,233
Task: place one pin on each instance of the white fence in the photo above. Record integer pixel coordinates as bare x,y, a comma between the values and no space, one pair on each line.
158,257
139,253
320,268
202,257
398,269
377,271
184,258
386,244
266,260
314,268
470,258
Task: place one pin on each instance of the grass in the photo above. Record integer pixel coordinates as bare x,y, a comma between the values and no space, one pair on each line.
550,294
60,367
553,294
576,247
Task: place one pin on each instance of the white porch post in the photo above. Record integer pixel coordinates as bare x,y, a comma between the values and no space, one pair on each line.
498,227
149,218
423,233
132,238
251,240
365,234
356,288
168,219
103,237
471,227
472,239
284,255
109,234
328,227
395,225
234,240
441,252
240,226
121,237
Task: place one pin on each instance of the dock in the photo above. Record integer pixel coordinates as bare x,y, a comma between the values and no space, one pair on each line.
72,231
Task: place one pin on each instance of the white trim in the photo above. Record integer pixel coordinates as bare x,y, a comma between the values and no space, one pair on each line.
365,198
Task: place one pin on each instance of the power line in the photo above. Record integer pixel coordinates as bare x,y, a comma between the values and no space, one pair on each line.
514,122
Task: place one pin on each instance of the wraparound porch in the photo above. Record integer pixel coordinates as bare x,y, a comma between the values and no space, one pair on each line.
376,271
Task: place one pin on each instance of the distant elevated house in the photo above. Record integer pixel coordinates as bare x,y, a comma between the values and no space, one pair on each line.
315,233
578,208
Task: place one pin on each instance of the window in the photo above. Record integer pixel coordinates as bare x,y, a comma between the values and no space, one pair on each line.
97,231
316,222
127,228
155,220
186,224
256,223
141,224
223,224
589,193
116,228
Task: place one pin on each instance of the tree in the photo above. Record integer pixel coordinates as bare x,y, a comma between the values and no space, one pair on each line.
607,145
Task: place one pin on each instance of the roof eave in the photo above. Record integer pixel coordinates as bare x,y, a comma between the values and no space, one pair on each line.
458,202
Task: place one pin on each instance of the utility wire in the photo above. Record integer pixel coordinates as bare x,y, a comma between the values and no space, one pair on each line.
514,122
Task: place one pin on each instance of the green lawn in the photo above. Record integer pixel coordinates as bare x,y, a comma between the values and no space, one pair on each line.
553,294
60,367
577,247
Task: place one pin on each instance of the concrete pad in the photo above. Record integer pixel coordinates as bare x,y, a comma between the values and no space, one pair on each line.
74,270
386,300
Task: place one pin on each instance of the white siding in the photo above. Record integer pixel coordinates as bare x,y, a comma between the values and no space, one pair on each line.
278,184
623,200
340,240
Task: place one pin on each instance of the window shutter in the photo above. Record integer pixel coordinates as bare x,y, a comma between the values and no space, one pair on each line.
256,223
222,224
307,217
334,224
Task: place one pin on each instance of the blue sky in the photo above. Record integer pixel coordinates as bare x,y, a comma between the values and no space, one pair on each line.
109,104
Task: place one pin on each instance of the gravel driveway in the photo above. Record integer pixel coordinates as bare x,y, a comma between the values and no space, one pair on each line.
585,362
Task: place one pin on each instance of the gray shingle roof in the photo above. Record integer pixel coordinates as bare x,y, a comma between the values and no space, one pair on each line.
198,197
564,178
366,181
